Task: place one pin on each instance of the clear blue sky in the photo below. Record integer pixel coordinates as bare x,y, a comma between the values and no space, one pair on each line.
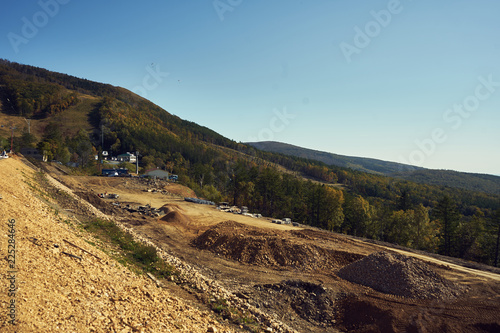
415,81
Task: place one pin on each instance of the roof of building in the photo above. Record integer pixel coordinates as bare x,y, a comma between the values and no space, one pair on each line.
126,154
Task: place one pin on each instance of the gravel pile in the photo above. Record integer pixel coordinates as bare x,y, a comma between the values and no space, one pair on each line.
400,275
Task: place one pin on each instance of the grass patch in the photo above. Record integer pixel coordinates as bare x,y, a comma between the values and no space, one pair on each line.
133,253
241,318
37,183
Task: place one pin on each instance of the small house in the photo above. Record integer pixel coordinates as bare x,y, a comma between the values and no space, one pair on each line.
127,157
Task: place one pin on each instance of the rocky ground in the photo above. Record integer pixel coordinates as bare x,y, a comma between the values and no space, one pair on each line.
64,284
241,275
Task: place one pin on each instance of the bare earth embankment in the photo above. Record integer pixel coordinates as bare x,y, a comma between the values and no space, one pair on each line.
57,292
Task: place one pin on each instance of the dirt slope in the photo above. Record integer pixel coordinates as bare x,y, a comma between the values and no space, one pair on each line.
277,249
57,292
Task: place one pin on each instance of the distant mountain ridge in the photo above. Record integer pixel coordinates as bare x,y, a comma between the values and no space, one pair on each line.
370,165
468,181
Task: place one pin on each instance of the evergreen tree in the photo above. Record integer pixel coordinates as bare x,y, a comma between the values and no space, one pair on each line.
448,215
497,220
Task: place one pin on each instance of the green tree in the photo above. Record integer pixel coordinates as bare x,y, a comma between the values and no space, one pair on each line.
470,230
53,132
401,227
358,216
447,213
424,235
116,146
63,155
497,248
326,207
28,140
4,143
46,149
148,162
404,201
209,192
334,213
82,146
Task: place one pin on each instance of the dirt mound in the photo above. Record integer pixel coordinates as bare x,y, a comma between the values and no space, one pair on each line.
269,248
170,207
173,214
397,274
175,217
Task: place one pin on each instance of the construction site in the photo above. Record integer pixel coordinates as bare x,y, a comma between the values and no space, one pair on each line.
233,272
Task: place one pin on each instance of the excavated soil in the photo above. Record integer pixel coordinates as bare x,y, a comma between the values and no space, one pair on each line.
277,249
372,313
397,274
309,301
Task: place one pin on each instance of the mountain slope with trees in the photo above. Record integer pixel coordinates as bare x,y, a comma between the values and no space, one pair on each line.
467,181
73,120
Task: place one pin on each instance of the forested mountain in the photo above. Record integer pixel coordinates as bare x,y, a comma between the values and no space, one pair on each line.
462,180
72,120
356,163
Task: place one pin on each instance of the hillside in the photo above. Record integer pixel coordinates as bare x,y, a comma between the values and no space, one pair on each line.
64,283
462,180
356,163
72,120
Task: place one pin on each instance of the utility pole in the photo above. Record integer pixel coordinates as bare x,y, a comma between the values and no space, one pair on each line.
28,121
12,139
137,163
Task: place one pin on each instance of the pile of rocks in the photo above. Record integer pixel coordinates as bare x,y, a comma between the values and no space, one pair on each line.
397,274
